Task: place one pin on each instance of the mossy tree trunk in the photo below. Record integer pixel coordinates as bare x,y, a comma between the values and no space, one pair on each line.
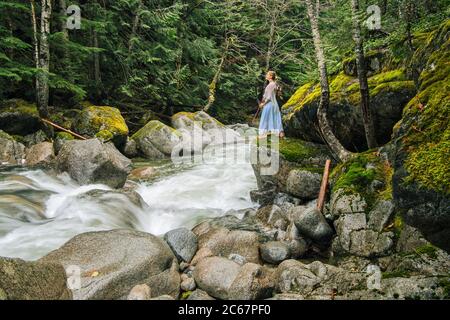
215,80
334,144
44,59
369,127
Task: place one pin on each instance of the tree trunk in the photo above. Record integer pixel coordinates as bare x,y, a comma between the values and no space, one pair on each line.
42,93
213,84
134,27
369,127
35,37
328,135
63,13
97,75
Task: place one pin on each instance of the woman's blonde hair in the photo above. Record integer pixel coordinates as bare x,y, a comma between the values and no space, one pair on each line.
272,74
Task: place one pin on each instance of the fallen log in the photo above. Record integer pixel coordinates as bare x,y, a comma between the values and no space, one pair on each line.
64,129
323,186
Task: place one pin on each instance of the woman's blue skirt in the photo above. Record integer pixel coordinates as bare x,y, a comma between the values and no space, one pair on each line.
270,119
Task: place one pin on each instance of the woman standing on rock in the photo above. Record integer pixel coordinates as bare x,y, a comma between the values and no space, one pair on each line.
271,117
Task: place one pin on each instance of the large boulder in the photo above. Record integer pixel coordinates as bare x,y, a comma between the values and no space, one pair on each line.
113,262
421,182
11,151
274,252
156,140
101,121
183,243
186,120
19,117
312,224
389,93
91,161
362,209
23,280
303,184
40,154
215,275
224,242
253,282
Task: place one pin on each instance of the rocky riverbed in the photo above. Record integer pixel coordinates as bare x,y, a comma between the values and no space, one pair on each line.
110,218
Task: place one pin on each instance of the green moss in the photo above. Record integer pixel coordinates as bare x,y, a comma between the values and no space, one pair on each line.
104,135
185,295
357,174
189,115
64,136
21,106
395,274
427,249
93,119
4,135
398,226
426,136
298,96
393,86
295,150
3,295
151,126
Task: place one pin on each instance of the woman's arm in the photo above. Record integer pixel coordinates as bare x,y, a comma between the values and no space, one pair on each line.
268,93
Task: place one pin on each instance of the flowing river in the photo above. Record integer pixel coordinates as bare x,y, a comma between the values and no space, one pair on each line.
41,210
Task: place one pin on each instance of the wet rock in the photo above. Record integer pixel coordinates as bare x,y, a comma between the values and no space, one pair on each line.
188,284
112,262
156,140
311,223
11,151
34,138
380,215
240,260
60,139
23,280
199,295
253,282
297,247
143,174
140,292
40,154
342,203
130,149
223,242
303,184
215,275
274,252
183,243
91,161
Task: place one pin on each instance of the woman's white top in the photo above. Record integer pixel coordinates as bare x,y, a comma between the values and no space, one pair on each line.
270,93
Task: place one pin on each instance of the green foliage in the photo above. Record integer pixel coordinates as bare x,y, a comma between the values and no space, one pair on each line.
427,249
357,174
426,140
296,150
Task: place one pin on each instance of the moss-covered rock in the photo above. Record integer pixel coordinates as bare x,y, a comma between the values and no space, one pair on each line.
11,151
93,120
185,120
361,206
156,140
375,61
390,91
19,117
421,181
295,156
